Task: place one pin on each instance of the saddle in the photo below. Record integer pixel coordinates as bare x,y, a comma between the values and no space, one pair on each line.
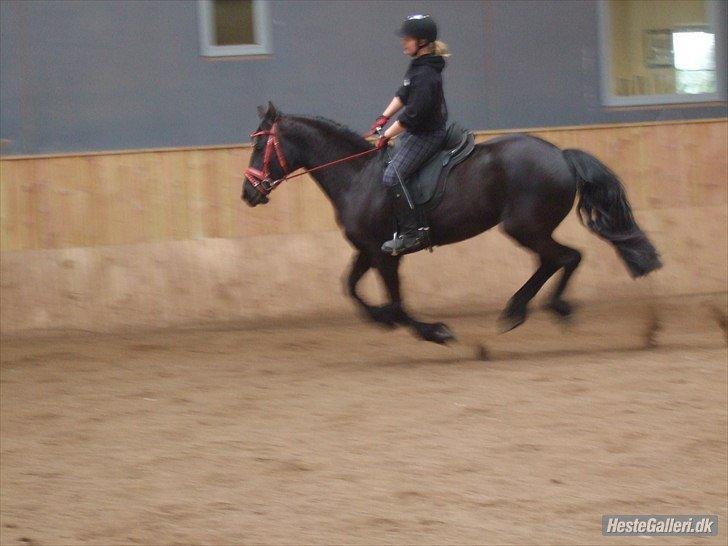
427,185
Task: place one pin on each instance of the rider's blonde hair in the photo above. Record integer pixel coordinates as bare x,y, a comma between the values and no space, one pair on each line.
440,48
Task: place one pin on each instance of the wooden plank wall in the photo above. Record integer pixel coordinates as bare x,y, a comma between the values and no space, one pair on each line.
128,198
105,242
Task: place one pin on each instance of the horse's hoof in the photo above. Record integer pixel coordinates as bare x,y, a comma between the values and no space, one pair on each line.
560,308
437,333
511,318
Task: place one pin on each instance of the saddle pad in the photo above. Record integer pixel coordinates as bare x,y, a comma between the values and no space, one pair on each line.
458,145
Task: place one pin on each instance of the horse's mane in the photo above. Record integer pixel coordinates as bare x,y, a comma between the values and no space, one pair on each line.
341,132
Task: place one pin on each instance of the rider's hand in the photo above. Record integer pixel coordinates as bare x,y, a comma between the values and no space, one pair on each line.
382,142
379,124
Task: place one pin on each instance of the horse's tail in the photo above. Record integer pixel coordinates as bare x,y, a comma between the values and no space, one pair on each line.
604,209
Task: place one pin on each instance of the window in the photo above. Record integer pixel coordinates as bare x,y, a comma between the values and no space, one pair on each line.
234,27
660,52
694,52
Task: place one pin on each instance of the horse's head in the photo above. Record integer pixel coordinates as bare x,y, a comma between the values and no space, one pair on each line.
267,162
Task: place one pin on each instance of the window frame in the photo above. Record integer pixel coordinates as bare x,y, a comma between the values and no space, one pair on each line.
605,58
261,32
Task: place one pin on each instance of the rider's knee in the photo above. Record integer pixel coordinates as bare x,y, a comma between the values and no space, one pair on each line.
390,177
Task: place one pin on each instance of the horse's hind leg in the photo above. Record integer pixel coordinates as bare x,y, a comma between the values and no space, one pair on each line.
569,260
516,311
553,256
388,268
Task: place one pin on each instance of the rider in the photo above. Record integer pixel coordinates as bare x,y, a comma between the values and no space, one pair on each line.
422,122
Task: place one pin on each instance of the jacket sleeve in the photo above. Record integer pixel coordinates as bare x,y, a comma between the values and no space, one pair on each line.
421,100
403,93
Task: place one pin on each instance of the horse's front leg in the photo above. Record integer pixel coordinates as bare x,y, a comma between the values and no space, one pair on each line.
388,267
384,314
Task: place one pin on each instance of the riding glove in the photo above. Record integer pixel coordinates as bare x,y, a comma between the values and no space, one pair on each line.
382,142
379,124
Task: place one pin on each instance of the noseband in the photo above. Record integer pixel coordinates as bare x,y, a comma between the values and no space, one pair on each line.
261,180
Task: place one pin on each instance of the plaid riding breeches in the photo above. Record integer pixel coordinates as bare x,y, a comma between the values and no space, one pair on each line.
410,154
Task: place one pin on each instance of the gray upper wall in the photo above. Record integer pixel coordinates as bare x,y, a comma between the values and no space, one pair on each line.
106,75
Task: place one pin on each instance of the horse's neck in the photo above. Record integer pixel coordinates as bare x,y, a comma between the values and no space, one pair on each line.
314,149
337,181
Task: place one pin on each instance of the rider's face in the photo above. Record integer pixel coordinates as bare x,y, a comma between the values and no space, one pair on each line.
409,45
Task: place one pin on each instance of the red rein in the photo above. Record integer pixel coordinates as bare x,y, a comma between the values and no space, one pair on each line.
261,181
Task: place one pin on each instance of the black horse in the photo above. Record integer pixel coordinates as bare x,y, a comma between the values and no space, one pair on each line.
522,182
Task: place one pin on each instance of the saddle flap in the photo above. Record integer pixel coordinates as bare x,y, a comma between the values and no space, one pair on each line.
458,145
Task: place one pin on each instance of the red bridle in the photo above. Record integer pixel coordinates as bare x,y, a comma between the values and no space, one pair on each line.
260,180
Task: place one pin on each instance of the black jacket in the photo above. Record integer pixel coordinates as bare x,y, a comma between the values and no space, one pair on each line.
423,97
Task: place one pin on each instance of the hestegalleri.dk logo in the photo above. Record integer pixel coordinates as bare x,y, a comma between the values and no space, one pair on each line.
660,525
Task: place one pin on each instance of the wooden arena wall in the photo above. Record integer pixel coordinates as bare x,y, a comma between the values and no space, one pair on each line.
106,241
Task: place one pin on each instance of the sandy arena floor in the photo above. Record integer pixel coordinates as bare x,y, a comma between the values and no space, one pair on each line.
350,434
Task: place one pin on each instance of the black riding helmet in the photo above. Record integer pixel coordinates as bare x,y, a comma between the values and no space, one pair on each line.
420,27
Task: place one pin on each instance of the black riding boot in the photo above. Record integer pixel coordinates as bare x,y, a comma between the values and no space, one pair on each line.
409,238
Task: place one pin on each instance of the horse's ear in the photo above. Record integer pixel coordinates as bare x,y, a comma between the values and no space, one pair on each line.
272,113
261,112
